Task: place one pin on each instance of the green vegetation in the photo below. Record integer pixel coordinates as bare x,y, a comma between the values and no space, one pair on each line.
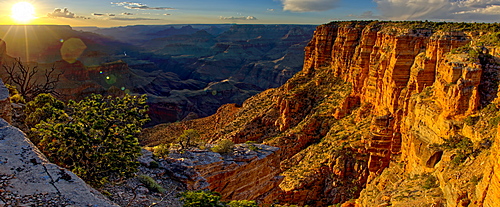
190,138
473,52
43,107
242,203
492,39
15,97
96,137
462,145
161,150
223,146
471,120
201,198
430,182
151,184
435,26
475,179
251,145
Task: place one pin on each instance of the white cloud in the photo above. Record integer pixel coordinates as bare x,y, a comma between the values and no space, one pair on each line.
308,5
489,10
131,19
135,5
238,18
454,10
64,13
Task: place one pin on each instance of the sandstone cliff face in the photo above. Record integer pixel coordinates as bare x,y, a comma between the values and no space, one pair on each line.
376,103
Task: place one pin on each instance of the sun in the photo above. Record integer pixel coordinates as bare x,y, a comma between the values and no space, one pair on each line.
23,12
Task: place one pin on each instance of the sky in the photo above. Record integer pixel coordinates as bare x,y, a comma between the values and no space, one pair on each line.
105,13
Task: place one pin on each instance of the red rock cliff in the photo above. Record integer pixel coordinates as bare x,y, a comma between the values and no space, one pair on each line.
371,94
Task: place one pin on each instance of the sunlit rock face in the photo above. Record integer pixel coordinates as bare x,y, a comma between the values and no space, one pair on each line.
367,118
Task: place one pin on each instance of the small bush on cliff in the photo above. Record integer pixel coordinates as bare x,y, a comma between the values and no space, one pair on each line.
201,198
161,150
151,184
96,139
223,146
430,182
43,107
463,147
242,203
471,120
189,138
15,97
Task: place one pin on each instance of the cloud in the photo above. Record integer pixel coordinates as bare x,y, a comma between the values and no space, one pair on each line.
135,5
127,14
308,5
489,10
103,15
238,18
63,13
270,10
131,19
454,10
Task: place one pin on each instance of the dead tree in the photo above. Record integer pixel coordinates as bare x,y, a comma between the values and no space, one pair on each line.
27,80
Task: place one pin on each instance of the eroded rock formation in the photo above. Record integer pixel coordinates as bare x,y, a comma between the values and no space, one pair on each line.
377,102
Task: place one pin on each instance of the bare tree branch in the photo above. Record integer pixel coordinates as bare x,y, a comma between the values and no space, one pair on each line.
26,79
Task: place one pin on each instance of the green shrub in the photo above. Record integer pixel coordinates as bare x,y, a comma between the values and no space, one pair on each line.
153,164
223,146
96,138
189,138
251,145
471,120
430,182
494,121
201,198
151,184
43,107
161,150
475,179
242,203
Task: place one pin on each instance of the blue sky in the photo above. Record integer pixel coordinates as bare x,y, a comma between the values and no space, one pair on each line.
104,13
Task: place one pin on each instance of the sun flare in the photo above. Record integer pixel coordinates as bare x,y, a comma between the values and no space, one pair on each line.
23,12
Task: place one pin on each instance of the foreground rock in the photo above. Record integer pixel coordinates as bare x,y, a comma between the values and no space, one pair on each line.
5,106
28,178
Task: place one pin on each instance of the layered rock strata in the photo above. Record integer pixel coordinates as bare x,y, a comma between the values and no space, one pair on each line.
374,96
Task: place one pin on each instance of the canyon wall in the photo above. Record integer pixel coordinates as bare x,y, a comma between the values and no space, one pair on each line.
379,107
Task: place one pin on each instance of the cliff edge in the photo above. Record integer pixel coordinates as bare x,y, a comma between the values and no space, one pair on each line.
379,107
28,178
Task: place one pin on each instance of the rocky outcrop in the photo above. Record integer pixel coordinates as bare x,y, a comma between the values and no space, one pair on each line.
28,178
5,105
240,174
377,102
